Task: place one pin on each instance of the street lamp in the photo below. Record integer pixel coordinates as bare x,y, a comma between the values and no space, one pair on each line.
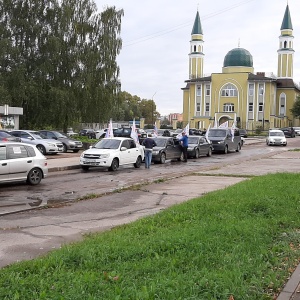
153,109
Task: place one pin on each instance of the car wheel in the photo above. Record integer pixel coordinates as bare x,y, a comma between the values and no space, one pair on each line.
42,149
76,151
238,148
65,149
226,149
163,158
85,168
209,152
138,162
114,165
34,176
197,154
285,145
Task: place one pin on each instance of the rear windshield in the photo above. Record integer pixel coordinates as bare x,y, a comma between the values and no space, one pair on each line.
193,140
160,142
217,133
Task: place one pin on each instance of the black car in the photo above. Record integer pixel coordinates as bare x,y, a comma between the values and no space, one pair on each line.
243,133
5,136
68,143
90,133
167,148
199,146
289,132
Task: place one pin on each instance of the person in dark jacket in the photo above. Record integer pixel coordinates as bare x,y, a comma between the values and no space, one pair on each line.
184,144
149,143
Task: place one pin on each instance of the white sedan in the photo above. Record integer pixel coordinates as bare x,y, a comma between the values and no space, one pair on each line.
276,137
112,153
22,162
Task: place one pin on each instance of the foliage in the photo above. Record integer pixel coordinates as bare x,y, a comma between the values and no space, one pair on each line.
296,108
58,61
258,130
238,243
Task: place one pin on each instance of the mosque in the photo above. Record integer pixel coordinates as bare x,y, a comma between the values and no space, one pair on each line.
239,95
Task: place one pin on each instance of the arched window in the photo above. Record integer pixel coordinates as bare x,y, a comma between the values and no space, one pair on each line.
228,107
285,43
229,90
195,49
282,104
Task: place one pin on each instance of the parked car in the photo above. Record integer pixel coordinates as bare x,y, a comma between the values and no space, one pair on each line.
167,148
243,133
195,131
222,140
112,153
199,146
276,137
90,133
71,133
5,136
288,132
22,162
68,143
46,146
297,130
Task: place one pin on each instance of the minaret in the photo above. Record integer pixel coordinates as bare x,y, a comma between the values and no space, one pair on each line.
196,56
286,51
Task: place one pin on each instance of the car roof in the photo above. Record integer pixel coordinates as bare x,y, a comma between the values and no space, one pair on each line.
275,130
118,138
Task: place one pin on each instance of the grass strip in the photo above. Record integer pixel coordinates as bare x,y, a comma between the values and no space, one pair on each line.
240,243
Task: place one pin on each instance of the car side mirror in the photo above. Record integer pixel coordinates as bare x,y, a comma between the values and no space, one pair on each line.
123,148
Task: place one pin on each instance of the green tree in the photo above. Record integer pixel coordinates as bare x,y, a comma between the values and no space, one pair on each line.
58,60
296,108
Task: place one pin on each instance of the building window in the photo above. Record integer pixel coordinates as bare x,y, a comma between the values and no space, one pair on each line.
260,106
195,48
206,107
229,90
228,107
198,90
251,89
282,104
250,107
207,92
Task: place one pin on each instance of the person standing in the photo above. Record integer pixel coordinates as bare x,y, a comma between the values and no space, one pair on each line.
149,143
184,144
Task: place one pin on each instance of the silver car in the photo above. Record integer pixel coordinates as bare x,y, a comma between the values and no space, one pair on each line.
22,162
46,146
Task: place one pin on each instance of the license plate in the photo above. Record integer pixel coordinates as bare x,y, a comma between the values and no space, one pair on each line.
91,161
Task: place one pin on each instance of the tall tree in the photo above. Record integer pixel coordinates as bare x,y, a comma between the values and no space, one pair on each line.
296,108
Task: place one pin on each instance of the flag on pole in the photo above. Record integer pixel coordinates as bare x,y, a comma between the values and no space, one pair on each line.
233,127
133,133
109,131
186,130
155,133
206,133
224,125
215,124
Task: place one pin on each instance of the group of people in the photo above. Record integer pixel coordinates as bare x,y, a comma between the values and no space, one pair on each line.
149,143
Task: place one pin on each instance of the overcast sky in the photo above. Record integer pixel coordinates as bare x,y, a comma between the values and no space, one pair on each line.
156,39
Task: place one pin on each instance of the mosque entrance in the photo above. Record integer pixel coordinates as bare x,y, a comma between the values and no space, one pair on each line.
223,120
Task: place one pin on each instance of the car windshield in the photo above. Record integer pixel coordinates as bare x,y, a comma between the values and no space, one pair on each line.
38,135
108,144
276,134
160,142
4,134
217,133
60,135
193,140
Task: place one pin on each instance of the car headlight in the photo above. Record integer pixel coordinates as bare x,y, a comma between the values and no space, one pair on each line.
155,152
51,144
221,142
82,154
72,143
190,148
104,155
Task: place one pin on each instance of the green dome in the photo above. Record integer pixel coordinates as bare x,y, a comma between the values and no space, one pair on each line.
238,57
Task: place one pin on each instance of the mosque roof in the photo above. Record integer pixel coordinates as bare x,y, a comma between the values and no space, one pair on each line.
287,21
197,28
238,57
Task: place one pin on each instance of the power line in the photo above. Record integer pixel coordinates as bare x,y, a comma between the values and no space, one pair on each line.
166,31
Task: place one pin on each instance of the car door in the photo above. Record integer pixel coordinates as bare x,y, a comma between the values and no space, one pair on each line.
125,155
19,162
203,146
4,164
171,151
134,151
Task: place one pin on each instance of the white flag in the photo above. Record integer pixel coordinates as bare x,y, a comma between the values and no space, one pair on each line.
206,133
186,130
224,125
155,133
233,127
133,133
109,132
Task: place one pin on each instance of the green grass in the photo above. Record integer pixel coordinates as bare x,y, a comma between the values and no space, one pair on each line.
241,241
